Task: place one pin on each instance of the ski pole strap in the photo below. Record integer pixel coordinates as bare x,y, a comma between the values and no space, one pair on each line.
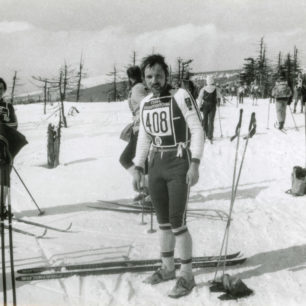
238,126
252,127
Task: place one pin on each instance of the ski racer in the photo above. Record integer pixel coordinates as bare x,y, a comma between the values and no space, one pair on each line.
170,124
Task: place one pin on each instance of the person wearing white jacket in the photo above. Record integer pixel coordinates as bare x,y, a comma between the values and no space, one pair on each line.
130,133
170,125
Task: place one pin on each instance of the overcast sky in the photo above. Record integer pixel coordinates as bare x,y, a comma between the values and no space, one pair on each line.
37,36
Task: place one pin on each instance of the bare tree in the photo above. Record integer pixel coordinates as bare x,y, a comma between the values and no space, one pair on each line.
79,76
62,86
45,85
183,68
134,58
179,64
14,86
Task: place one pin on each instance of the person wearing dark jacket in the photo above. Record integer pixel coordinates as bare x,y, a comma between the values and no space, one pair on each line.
7,118
303,92
208,99
7,112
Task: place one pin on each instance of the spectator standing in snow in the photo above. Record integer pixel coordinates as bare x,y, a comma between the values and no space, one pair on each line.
298,93
303,90
7,111
233,91
188,85
255,91
240,93
170,124
8,118
130,132
282,93
208,99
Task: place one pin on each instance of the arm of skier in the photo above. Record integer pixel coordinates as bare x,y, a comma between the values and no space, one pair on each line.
192,116
138,93
200,98
11,120
142,151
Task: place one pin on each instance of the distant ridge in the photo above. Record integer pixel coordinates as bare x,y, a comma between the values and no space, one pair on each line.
100,88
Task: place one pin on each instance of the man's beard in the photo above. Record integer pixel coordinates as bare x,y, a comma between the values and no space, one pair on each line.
157,89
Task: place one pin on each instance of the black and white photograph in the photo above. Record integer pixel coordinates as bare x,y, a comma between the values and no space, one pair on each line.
152,153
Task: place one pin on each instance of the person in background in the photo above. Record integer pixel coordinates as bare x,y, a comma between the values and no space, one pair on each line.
240,93
187,84
170,125
130,133
303,91
233,91
298,93
8,118
255,92
7,111
282,93
208,99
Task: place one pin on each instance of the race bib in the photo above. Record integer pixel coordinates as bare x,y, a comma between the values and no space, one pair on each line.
157,121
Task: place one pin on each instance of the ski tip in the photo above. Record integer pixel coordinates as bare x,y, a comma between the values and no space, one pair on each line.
234,255
69,227
43,234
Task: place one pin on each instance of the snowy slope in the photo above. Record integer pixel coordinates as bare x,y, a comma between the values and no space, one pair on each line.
268,224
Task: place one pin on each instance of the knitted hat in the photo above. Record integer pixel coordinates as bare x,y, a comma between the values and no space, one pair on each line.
210,80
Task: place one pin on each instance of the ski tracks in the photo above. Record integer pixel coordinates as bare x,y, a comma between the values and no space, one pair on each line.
61,282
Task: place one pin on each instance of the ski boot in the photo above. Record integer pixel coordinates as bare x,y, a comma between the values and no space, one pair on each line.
159,276
182,287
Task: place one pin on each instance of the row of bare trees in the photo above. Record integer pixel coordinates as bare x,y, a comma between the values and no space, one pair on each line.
69,81
66,81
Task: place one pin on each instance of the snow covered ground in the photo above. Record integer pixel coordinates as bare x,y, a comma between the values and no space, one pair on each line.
268,224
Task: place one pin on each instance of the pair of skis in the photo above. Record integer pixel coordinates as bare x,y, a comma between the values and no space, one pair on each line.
135,208
45,228
117,267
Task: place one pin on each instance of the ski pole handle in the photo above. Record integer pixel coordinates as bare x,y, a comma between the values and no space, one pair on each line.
252,127
238,125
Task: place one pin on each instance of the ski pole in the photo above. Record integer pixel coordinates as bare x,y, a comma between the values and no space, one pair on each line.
251,132
41,212
3,237
220,121
10,228
237,135
268,114
151,230
293,118
305,133
142,222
